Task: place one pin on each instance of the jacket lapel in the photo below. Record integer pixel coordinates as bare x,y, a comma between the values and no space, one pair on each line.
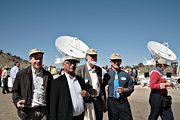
29,83
87,75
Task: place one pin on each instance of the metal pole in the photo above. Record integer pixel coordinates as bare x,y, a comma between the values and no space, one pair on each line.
178,68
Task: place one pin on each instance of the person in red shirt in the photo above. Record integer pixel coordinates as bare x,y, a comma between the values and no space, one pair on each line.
159,85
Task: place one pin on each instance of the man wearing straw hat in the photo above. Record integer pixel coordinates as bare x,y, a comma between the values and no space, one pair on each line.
120,86
93,78
30,89
68,93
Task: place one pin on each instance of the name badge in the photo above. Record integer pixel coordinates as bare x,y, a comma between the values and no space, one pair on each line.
123,78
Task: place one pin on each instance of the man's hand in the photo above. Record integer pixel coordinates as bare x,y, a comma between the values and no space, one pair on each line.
165,85
20,104
122,90
84,93
94,92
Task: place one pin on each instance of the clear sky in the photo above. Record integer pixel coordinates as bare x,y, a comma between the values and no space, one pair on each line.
121,26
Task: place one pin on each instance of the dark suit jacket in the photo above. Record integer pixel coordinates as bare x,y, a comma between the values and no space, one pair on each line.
22,87
61,107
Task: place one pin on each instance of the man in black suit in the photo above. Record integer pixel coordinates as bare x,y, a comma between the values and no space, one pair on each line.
68,93
93,78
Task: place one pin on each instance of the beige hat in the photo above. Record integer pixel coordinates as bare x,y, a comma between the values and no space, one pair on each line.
91,51
67,57
35,50
161,61
115,56
5,67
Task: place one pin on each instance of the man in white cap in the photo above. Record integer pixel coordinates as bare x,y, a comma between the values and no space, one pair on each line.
30,89
68,93
159,92
120,86
93,77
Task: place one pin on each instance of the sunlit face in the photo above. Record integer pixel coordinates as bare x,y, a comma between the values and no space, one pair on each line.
91,59
36,61
70,66
163,66
115,63
18,64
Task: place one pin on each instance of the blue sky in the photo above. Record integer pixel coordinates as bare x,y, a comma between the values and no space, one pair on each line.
121,26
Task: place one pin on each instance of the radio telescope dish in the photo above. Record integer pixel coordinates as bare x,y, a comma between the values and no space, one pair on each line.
71,46
159,50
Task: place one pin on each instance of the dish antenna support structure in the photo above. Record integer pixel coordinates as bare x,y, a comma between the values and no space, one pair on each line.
71,46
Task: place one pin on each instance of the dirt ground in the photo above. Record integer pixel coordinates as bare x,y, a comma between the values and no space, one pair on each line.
138,101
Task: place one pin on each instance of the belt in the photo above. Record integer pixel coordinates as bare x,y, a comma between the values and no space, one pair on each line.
119,99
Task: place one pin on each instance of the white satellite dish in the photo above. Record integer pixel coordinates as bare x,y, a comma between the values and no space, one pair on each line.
71,46
159,50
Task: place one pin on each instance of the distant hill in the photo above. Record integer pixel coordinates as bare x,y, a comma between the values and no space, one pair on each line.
7,59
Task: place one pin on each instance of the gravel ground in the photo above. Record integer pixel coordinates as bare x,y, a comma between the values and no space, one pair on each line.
138,101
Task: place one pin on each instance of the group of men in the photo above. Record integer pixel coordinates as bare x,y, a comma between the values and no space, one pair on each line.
37,95
77,94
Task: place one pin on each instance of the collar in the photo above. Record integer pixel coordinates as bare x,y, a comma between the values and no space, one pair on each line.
69,76
34,72
89,68
116,71
158,69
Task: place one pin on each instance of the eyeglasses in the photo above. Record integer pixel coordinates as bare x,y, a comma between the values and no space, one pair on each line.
162,64
71,62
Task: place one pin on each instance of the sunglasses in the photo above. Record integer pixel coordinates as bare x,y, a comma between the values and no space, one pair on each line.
93,56
116,60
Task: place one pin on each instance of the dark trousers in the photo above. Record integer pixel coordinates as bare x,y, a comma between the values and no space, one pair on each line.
0,81
5,86
119,110
98,106
37,113
155,101
80,117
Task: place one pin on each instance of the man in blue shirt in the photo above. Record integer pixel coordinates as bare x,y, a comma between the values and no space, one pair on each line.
120,86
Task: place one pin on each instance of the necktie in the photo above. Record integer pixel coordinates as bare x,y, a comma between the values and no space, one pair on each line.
116,85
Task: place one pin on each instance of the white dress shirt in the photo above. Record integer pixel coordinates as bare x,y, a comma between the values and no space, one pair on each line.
39,98
94,78
77,99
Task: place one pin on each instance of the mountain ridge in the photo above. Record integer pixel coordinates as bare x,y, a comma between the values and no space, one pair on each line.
8,59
